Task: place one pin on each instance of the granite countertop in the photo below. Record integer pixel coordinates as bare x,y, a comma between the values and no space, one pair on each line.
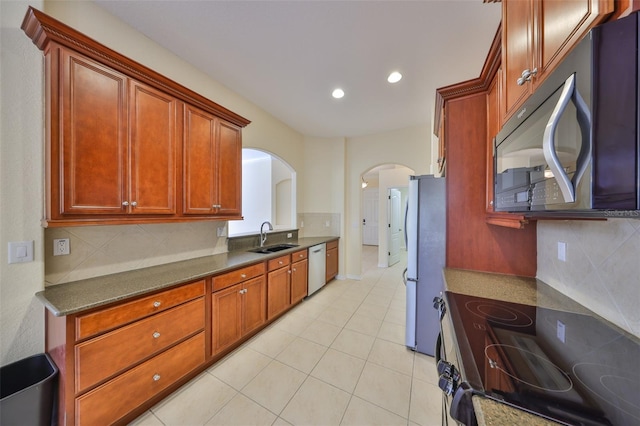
527,291
73,297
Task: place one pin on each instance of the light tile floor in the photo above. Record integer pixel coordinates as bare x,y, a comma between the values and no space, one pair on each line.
338,358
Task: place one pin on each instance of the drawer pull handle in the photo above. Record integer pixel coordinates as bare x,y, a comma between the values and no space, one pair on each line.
157,304
156,377
280,262
243,275
156,335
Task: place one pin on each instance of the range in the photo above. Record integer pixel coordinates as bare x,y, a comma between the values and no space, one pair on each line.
573,368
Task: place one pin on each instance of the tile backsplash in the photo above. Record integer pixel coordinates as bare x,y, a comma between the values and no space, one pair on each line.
103,250
602,267
319,224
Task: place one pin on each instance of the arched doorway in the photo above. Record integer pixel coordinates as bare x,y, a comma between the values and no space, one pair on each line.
386,185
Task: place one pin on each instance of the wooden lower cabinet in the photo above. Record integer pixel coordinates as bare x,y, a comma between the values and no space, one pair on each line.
117,398
114,360
237,311
117,361
299,276
332,260
100,358
278,286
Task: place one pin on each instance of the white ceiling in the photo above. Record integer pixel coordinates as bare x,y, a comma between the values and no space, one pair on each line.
288,56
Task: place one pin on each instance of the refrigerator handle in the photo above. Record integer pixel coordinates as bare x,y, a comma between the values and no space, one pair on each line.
404,276
406,236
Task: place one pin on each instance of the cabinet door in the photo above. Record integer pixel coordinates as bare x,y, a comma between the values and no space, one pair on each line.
299,280
517,50
229,170
254,304
153,150
199,157
332,263
562,24
226,315
93,139
278,291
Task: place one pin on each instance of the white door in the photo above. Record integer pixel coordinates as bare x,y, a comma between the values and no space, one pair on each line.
370,217
394,233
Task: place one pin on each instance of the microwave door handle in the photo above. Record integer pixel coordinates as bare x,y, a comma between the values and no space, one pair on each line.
584,121
549,143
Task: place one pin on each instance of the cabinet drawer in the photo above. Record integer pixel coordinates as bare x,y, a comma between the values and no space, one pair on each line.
279,262
299,255
332,244
116,398
110,318
237,276
106,355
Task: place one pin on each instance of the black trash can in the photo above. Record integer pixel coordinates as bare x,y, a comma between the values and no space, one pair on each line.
28,391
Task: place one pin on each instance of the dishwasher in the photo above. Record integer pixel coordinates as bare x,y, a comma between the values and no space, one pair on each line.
317,267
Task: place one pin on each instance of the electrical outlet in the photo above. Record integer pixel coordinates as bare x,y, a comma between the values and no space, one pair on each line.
327,224
61,247
221,231
289,235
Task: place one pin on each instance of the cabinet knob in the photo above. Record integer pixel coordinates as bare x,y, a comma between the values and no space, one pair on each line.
134,203
243,275
156,377
157,304
491,202
156,335
294,269
280,262
527,75
125,203
289,271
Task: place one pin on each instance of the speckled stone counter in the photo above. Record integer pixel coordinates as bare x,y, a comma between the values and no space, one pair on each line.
70,298
527,291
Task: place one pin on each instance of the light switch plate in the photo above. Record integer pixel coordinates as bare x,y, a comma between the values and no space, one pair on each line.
20,251
562,251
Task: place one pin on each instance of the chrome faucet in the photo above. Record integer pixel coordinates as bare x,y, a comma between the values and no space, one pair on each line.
263,236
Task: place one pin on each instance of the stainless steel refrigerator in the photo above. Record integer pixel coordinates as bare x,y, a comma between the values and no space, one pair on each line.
425,235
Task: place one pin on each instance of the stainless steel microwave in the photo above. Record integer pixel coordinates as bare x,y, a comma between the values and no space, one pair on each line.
573,149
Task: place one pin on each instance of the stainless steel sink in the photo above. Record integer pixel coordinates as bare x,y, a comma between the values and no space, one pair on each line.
274,248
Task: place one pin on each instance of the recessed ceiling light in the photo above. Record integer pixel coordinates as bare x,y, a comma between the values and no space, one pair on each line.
337,93
394,77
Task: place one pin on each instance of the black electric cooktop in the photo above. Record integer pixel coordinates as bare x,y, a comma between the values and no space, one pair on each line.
569,367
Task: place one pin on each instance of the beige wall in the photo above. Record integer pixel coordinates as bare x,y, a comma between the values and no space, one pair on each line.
21,186
602,268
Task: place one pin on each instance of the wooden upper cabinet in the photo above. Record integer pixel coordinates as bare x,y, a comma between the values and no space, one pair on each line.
537,34
212,165
154,141
114,138
89,150
119,142
517,50
200,152
229,167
